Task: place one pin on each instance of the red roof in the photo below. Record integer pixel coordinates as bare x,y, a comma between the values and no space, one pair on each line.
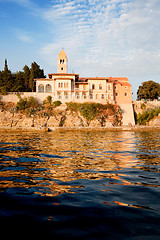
127,84
124,79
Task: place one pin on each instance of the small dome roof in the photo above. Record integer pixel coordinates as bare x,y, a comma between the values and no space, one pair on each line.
62,54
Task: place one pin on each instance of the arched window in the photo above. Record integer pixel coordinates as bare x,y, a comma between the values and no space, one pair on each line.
48,88
93,86
41,88
100,86
62,61
102,96
91,96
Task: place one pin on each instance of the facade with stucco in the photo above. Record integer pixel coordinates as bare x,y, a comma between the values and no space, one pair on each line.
68,87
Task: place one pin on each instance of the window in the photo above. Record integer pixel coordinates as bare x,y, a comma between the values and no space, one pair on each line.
61,61
61,85
84,95
116,94
59,95
109,87
100,86
109,96
93,86
96,96
125,94
77,96
65,85
102,96
91,96
41,88
66,95
48,88
61,68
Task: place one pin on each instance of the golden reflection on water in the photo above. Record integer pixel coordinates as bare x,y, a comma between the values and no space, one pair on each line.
48,163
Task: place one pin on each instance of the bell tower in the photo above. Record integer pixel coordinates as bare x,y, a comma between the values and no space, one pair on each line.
62,62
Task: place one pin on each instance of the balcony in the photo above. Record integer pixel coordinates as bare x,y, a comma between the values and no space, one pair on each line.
81,90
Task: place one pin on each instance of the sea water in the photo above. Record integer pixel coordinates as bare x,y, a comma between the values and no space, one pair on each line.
80,185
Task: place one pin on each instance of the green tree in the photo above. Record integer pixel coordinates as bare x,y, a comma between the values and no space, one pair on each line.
35,72
26,76
149,90
31,80
19,82
89,111
38,73
7,79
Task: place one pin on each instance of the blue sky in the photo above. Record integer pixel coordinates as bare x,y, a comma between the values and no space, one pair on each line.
100,37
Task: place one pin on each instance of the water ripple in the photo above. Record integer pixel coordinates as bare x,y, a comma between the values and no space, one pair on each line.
67,185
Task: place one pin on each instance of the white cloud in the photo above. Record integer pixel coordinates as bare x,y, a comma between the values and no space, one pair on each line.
102,37
24,3
104,22
106,37
23,36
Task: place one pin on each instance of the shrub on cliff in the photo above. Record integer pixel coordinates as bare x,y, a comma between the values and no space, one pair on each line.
90,111
146,116
48,107
57,103
48,101
27,103
21,104
73,107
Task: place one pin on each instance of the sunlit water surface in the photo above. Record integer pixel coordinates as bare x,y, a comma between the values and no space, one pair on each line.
80,185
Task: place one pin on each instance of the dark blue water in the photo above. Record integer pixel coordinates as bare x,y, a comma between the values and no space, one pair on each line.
80,185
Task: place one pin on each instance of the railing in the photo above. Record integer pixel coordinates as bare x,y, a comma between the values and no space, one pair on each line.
81,89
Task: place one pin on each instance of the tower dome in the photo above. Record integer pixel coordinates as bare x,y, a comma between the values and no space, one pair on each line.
62,62
62,54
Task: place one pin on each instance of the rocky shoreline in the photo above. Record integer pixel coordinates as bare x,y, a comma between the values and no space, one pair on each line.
101,129
64,119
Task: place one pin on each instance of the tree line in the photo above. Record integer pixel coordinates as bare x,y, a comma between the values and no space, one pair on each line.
21,81
149,90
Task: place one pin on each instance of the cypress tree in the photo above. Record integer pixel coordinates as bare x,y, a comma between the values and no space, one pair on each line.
31,80
35,72
26,75
6,79
19,82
